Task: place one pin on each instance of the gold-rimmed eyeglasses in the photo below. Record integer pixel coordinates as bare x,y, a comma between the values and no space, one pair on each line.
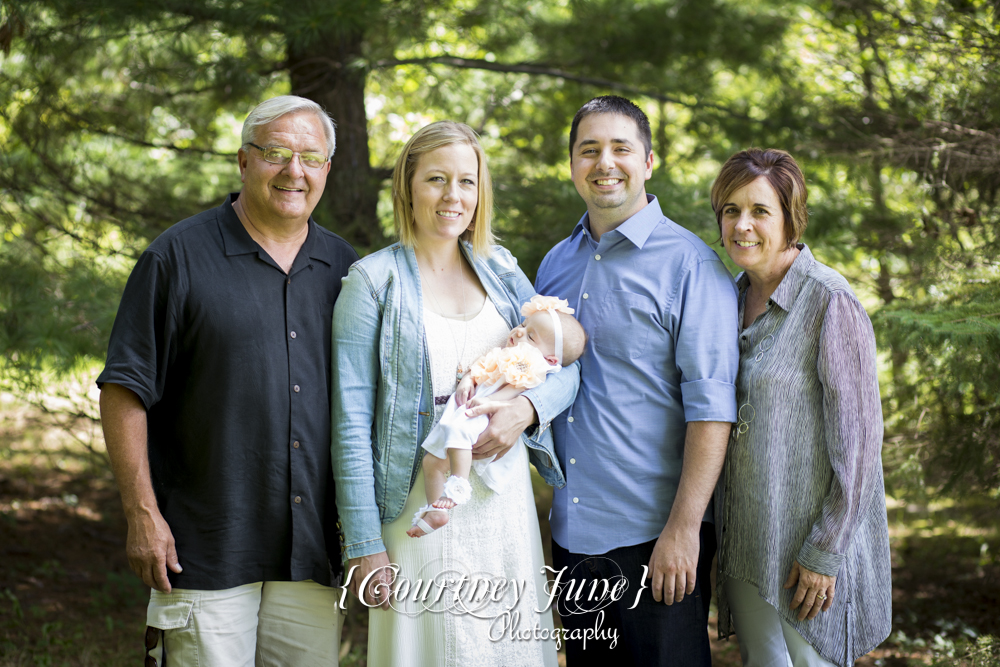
282,155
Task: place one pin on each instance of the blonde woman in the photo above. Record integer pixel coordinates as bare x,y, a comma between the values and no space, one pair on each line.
410,320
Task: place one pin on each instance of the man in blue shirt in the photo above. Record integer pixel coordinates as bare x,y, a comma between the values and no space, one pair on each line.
643,444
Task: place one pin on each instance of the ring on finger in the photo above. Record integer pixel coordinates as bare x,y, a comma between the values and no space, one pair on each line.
820,596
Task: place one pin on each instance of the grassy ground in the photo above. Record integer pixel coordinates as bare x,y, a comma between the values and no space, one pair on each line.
67,596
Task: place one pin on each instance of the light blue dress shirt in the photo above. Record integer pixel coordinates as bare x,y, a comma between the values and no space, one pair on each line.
660,312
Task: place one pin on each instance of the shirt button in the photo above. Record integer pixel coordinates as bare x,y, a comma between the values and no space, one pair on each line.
576,500
295,388
569,419
293,334
572,461
597,257
295,444
298,500
586,296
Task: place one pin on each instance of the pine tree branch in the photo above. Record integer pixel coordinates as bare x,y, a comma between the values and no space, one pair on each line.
974,317
87,125
111,208
543,70
150,144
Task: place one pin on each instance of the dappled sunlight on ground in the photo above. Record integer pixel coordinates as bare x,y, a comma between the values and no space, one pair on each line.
68,597
66,593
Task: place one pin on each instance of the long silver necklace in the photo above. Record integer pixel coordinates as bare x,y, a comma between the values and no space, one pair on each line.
459,369
747,412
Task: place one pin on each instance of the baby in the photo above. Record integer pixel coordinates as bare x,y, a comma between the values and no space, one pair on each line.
548,339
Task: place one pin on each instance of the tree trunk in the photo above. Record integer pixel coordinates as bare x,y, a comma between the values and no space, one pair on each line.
325,72
662,140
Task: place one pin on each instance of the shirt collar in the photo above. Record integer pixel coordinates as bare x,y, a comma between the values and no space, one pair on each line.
237,240
790,286
636,229
315,245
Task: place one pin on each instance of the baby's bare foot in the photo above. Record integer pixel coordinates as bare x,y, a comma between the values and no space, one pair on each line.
434,519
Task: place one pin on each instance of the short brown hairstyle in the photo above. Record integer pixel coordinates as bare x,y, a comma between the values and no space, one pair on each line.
426,139
619,106
784,176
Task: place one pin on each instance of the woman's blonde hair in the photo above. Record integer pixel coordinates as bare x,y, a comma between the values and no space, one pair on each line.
785,177
426,139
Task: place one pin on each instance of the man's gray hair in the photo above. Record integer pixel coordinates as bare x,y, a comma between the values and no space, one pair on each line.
276,107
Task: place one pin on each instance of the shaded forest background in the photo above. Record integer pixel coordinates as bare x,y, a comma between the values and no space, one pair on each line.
119,118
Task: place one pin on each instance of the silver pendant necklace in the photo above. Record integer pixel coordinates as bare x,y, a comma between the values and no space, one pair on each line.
747,412
460,370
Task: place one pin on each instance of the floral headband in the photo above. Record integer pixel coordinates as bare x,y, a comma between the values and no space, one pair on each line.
552,304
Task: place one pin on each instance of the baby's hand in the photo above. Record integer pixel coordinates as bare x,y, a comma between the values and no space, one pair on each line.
463,392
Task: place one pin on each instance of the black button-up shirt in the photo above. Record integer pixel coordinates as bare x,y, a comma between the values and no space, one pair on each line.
231,358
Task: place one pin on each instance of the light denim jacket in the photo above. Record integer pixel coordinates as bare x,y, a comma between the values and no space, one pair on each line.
384,407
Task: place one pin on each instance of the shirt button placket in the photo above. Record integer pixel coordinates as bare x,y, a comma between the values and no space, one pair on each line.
296,463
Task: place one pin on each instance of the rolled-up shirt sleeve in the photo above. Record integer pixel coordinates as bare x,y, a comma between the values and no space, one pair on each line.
852,420
707,350
143,338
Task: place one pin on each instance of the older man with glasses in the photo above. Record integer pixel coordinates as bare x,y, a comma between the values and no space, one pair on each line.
215,402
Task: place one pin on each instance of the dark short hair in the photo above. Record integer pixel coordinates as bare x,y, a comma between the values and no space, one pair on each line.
784,176
615,105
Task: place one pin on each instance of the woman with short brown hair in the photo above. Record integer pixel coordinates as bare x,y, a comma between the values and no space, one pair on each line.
804,569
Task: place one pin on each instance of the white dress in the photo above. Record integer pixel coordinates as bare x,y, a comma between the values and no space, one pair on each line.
444,620
456,431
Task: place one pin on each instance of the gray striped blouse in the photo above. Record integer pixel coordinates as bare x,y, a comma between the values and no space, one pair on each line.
803,481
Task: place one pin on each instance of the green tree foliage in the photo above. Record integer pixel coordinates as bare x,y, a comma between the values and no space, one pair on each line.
910,108
121,117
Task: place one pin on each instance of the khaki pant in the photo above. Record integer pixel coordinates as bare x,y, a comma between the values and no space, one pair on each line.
263,625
